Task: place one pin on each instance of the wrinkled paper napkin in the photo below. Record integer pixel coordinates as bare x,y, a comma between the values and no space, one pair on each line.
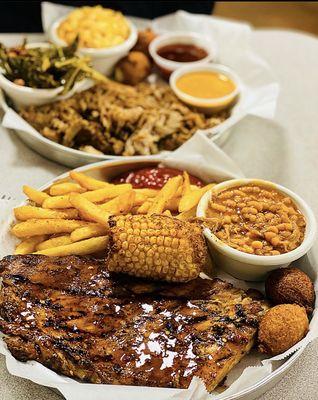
232,39
204,159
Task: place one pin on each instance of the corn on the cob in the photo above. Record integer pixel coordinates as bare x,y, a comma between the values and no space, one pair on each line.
156,247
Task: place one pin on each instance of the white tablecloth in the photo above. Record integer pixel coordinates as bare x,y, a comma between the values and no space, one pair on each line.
284,151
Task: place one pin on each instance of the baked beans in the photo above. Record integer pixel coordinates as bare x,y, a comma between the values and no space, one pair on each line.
256,219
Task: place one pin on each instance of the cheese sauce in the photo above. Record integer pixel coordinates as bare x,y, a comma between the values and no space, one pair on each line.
205,84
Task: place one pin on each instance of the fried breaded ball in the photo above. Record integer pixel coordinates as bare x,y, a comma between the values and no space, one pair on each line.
290,286
144,39
133,68
281,328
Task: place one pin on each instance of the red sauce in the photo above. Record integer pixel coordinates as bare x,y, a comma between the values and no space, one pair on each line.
153,178
182,52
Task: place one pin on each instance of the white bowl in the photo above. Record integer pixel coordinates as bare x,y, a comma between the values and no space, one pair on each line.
168,66
251,267
207,105
25,96
104,59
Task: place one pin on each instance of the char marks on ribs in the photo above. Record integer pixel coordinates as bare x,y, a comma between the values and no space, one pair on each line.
74,317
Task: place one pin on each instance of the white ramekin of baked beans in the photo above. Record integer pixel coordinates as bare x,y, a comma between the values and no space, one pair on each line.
255,226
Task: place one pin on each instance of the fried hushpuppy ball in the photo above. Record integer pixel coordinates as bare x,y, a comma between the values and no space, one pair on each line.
281,328
133,68
145,37
290,286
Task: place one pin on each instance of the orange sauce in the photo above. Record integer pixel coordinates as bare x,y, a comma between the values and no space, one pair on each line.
205,84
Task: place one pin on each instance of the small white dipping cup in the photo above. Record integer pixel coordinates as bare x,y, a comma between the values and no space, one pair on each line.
170,38
208,106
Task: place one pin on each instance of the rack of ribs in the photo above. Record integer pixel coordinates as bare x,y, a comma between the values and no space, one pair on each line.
74,317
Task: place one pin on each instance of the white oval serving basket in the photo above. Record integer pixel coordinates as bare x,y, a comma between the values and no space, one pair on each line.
75,158
41,375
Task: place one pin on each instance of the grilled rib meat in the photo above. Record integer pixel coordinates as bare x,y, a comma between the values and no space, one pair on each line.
74,317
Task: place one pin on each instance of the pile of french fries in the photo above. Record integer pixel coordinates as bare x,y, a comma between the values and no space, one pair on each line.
71,217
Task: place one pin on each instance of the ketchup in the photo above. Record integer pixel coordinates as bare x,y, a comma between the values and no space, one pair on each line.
153,178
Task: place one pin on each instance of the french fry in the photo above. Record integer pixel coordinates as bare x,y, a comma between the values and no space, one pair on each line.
194,187
87,232
110,206
144,208
93,196
34,227
166,193
191,199
167,212
65,188
54,242
58,202
126,201
89,210
24,213
71,213
87,182
173,204
28,246
82,248
185,215
121,204
147,192
35,195
186,187
109,192
179,191
140,198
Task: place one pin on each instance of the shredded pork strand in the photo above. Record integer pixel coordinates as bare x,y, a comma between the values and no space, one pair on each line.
123,120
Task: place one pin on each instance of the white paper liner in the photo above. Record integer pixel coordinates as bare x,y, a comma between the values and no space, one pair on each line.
259,86
201,157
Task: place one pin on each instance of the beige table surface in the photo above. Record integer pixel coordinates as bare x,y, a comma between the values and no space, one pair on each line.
284,150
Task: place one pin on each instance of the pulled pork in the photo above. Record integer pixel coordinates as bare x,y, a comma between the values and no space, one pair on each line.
120,120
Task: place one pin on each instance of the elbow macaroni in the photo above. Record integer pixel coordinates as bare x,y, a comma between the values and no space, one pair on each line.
97,27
